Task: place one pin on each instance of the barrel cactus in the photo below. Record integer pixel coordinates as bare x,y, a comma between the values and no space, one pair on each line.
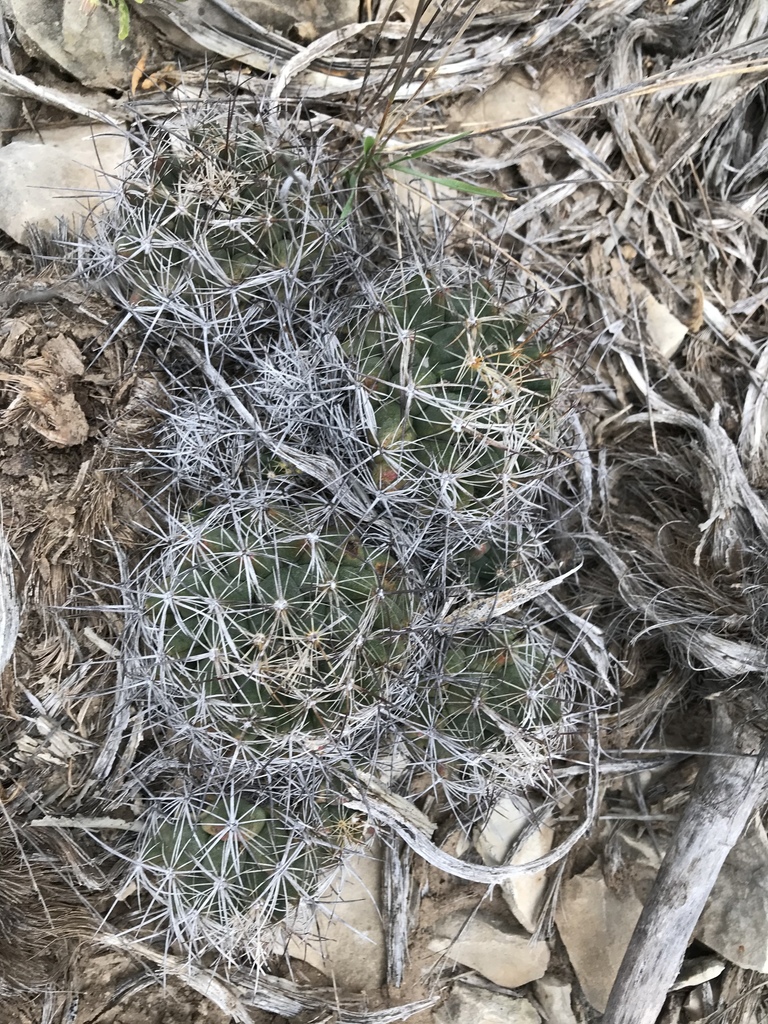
213,226
446,368
352,450
279,622
230,869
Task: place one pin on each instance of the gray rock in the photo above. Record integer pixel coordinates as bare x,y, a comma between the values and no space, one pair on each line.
596,924
58,174
81,39
492,946
347,941
698,971
735,919
322,15
506,824
699,1005
554,997
468,1004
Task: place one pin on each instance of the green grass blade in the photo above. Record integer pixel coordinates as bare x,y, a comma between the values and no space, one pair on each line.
124,16
456,184
432,147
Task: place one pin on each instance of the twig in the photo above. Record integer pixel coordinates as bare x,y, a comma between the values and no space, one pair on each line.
19,85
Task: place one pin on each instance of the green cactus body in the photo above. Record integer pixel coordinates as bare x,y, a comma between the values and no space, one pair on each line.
492,683
283,629
225,862
221,210
446,372
352,451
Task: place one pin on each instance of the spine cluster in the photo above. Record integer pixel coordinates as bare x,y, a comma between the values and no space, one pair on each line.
355,445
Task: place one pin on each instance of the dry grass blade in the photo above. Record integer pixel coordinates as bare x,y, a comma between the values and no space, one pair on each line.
9,609
474,613
20,85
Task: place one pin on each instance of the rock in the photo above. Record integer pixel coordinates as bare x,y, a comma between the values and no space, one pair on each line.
10,112
81,39
492,946
57,174
504,824
735,919
664,329
323,15
699,1005
507,821
596,924
554,997
516,97
468,1004
347,941
698,971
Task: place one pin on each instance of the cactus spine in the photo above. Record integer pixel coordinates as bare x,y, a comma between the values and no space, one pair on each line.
346,466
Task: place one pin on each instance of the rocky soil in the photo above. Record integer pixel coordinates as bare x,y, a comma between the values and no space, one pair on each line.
629,215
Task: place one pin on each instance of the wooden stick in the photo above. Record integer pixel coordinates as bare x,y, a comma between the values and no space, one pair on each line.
727,790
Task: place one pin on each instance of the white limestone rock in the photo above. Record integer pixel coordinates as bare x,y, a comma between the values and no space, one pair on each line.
57,174
469,1004
554,997
596,924
492,946
506,824
735,919
347,940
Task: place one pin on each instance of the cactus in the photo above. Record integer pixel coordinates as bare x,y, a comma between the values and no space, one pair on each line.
279,623
233,867
459,398
214,226
348,451
445,370
496,681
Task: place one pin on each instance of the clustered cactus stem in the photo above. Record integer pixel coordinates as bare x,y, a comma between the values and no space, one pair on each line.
355,448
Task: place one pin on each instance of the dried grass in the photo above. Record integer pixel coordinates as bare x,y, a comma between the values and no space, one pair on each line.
651,190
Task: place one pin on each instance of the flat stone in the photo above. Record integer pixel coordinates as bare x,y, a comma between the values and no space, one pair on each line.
82,39
515,97
664,329
323,15
510,816
596,924
554,997
468,1004
492,946
58,174
735,919
503,825
698,971
347,940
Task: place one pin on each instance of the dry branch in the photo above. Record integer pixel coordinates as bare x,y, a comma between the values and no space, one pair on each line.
731,783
